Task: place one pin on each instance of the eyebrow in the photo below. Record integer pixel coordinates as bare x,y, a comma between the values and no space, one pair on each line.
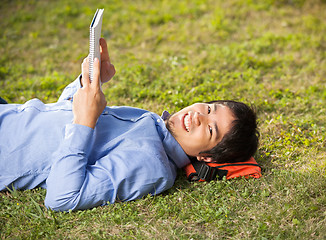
215,125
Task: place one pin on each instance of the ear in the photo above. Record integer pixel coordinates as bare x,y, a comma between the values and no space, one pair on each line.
205,159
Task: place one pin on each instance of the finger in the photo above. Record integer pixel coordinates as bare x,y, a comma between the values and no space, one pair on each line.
107,71
104,50
85,72
96,73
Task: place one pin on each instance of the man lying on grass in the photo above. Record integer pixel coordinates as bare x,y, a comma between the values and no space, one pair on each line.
87,154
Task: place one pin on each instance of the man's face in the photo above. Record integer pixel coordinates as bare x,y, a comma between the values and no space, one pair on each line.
200,127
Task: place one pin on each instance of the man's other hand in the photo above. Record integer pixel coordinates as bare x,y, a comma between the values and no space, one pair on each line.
107,68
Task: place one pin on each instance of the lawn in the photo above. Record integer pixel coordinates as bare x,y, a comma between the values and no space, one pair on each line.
169,54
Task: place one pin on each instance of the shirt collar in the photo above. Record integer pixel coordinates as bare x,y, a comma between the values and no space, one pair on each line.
172,147
165,115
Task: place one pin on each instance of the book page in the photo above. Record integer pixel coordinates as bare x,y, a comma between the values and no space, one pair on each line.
94,40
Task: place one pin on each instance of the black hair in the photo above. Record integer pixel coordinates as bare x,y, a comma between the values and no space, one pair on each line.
241,141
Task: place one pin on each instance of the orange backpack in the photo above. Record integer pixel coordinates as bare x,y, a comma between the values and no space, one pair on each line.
201,171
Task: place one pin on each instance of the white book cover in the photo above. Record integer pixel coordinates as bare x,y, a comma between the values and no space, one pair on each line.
94,40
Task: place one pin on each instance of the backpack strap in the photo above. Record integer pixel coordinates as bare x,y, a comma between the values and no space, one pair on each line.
201,171
208,173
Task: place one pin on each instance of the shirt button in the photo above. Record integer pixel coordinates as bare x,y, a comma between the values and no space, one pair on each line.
158,120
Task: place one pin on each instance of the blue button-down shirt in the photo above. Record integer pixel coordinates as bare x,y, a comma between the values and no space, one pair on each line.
129,154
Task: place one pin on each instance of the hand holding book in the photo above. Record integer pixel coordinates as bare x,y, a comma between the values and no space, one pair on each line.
89,101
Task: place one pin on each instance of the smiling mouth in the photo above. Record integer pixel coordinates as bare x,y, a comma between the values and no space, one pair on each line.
187,122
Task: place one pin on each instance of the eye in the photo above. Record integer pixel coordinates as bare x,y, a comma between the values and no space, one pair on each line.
209,109
211,130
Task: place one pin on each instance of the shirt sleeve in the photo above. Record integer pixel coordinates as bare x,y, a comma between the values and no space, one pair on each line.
122,175
71,184
70,90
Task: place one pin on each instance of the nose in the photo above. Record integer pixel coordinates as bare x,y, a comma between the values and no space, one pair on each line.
199,118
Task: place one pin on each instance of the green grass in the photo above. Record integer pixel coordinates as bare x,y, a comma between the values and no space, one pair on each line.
169,54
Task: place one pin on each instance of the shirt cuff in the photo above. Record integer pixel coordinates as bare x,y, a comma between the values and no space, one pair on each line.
79,137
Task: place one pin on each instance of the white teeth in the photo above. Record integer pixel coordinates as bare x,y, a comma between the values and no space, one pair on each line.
186,121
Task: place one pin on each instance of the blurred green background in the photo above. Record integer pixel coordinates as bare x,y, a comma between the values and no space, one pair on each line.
169,54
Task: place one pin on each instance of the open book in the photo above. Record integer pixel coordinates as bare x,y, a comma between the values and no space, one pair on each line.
94,40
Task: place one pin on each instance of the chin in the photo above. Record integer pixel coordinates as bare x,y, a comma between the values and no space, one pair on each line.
170,126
